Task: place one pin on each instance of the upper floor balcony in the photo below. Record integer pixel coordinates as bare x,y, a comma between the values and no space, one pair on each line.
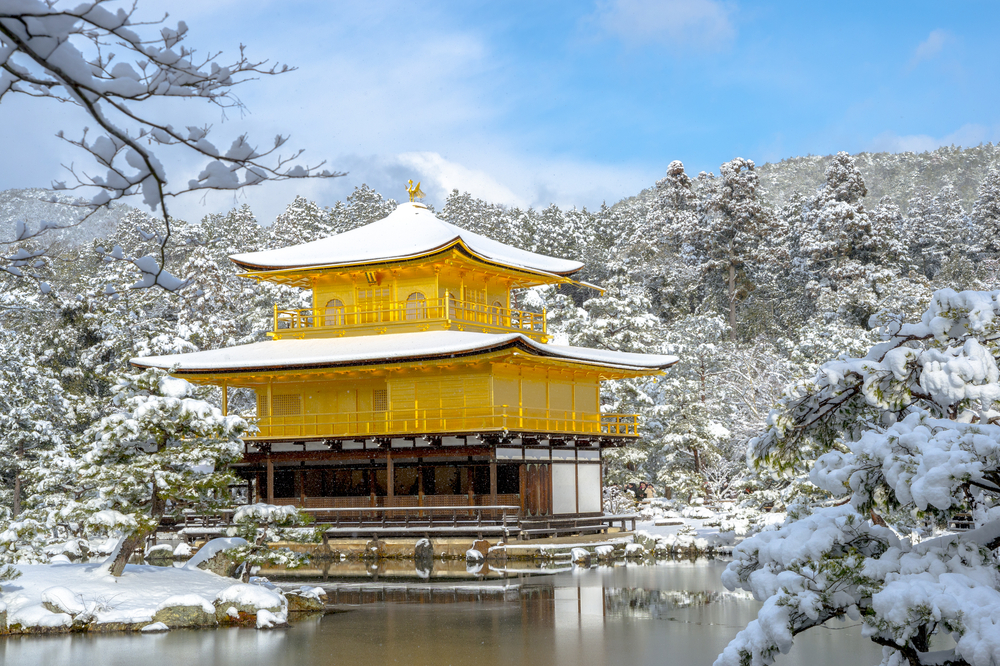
413,314
444,421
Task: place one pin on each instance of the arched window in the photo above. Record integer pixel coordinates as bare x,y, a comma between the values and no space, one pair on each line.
416,306
496,313
334,313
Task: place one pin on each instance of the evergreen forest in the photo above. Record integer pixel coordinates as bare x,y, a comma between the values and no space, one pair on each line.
754,276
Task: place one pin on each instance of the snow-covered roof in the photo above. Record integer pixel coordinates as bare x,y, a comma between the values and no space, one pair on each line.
409,231
399,347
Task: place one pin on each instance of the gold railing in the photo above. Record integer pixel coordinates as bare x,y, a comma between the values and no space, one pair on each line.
391,313
420,421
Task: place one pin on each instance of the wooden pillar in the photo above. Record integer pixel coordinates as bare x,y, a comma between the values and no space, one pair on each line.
493,478
420,485
371,483
301,475
468,482
270,407
576,473
390,475
225,399
522,473
270,481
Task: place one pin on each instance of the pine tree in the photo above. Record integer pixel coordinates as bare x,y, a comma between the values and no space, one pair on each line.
161,450
985,216
235,232
728,233
363,206
935,228
301,222
32,417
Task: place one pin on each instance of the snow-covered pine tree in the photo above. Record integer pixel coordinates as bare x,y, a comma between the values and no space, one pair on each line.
163,449
301,222
727,236
911,430
235,232
363,206
32,417
465,211
673,210
849,255
985,217
935,228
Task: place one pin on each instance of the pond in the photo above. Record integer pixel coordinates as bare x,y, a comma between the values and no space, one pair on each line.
667,613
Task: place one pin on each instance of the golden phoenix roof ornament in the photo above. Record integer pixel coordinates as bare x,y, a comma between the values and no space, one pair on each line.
414,192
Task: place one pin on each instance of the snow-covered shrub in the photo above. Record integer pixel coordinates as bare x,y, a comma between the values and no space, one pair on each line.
259,524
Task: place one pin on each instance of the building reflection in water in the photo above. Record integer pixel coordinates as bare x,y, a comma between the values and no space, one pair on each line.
673,613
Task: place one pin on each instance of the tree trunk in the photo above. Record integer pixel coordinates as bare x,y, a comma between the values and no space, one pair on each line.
17,494
157,508
125,550
17,481
732,298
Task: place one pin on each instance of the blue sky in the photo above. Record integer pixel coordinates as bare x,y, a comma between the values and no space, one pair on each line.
528,103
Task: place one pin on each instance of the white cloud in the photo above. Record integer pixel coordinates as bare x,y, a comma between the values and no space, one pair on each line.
498,177
930,47
966,136
385,104
705,23
446,176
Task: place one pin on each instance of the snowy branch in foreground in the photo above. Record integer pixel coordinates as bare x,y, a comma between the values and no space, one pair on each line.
114,68
943,365
909,428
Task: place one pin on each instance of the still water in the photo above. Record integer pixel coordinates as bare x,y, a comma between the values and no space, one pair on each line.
668,613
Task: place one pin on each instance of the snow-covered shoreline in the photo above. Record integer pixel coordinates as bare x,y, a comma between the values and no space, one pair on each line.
85,597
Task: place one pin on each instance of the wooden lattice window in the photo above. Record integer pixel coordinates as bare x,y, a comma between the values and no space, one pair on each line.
334,313
416,306
475,304
287,405
373,304
262,410
496,313
380,400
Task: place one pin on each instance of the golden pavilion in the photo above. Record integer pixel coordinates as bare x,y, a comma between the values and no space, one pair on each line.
413,381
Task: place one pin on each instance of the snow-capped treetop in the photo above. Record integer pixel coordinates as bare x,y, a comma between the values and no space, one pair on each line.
411,230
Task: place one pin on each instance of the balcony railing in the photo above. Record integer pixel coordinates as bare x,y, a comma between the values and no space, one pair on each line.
421,421
488,318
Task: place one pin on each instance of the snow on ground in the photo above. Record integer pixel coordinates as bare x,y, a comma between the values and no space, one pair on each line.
718,527
134,597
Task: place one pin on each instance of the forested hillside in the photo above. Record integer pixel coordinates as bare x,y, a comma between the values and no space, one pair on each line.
753,276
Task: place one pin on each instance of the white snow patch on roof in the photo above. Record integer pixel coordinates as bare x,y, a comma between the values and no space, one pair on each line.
319,352
410,230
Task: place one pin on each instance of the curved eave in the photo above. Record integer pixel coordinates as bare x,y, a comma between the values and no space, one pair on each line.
515,345
262,272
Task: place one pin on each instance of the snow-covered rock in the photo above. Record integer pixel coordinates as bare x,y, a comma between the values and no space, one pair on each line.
241,602
185,610
59,599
